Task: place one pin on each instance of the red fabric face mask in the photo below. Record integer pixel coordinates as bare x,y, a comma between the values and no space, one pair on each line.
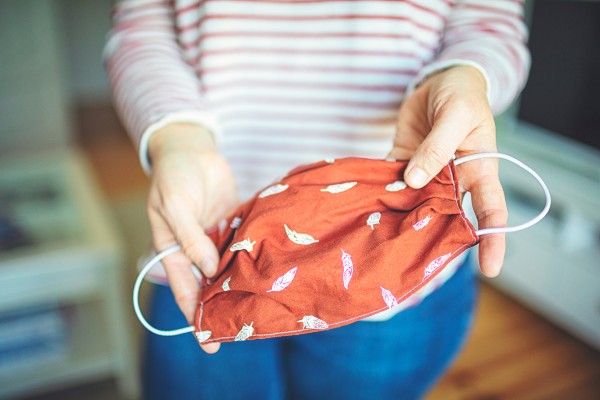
330,244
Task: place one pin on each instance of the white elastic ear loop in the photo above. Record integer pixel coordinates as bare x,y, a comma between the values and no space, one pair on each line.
136,295
527,224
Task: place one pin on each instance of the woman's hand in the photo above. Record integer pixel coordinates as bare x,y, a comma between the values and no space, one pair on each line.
191,189
449,114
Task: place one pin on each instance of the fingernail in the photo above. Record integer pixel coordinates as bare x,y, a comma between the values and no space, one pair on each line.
417,177
209,266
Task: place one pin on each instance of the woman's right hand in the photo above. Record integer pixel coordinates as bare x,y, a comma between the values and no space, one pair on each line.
192,188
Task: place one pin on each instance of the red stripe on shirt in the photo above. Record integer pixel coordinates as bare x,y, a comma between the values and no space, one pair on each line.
232,100
318,85
322,69
231,117
306,35
305,18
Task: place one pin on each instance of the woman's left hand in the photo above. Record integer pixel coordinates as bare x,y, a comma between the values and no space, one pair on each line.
449,114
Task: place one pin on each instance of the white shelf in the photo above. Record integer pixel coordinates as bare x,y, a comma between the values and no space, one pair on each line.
88,357
53,277
76,260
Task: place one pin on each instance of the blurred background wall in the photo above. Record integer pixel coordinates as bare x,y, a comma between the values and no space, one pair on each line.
86,23
50,62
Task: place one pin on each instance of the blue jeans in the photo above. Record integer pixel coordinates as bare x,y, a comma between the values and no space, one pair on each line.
400,358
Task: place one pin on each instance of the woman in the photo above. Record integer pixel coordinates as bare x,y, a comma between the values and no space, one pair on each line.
224,96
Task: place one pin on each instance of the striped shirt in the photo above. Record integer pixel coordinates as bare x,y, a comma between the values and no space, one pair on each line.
287,82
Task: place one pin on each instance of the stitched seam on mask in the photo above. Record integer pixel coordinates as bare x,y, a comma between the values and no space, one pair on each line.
407,294
359,317
462,212
200,316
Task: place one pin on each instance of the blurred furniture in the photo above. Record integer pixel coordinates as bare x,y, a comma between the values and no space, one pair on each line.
62,319
554,267
69,262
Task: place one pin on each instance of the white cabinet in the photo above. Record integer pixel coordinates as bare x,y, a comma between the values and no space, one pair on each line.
74,264
554,267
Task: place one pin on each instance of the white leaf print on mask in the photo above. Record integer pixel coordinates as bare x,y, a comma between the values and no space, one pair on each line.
339,187
271,190
299,238
388,297
245,244
422,223
225,285
311,322
244,333
396,186
374,219
284,281
235,223
348,268
329,160
435,264
203,336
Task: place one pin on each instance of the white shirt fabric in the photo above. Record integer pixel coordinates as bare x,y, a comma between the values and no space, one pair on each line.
287,82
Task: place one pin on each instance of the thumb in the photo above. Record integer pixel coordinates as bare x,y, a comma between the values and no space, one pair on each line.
436,151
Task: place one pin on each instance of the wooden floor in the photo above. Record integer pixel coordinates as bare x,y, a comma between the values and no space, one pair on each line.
514,354
510,354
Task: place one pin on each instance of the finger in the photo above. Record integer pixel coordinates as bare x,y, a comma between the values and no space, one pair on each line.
186,289
411,129
196,245
438,148
489,205
187,232
211,348
182,281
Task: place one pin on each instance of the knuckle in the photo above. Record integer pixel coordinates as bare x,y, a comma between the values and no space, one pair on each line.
171,201
185,297
189,244
434,156
175,261
493,217
174,207
191,247
465,102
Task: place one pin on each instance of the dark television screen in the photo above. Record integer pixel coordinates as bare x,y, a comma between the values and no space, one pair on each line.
563,90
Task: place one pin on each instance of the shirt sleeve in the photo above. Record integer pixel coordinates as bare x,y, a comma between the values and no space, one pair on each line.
152,84
489,35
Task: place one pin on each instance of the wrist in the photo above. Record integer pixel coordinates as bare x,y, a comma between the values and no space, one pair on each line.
474,75
180,137
467,75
